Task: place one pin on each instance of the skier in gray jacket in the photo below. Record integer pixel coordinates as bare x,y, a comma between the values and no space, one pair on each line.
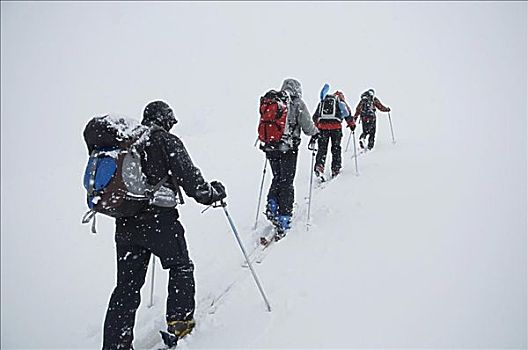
279,208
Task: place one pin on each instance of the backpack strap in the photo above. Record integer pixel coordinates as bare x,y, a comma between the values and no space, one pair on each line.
91,186
150,193
173,179
90,216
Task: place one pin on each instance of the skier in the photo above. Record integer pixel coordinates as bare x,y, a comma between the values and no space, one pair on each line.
157,230
328,118
283,160
366,108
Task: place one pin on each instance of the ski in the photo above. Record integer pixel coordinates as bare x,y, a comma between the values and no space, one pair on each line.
266,242
263,242
266,249
320,180
363,151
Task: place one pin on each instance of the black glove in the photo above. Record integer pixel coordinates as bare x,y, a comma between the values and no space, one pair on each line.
218,191
313,140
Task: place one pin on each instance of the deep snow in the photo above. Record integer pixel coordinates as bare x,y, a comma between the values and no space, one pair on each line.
426,248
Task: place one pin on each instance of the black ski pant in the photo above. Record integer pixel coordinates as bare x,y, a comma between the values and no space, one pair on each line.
369,129
158,232
283,166
322,148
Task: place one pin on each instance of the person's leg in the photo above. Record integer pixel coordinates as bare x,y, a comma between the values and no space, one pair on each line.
372,134
364,128
166,240
181,286
272,205
364,133
322,150
336,136
132,264
287,193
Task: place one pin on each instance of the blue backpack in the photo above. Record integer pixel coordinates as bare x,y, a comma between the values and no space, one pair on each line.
115,185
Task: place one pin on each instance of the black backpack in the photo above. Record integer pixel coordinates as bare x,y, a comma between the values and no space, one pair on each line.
367,109
329,108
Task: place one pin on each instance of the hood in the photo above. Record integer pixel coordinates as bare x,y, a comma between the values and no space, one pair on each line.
368,93
293,87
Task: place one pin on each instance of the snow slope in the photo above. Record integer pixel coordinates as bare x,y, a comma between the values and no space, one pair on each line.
426,248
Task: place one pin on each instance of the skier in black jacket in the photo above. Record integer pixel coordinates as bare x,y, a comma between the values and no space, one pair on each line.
157,230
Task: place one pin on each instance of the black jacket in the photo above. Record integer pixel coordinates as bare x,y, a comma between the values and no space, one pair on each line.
164,154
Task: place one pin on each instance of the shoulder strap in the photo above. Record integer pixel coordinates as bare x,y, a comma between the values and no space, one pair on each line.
173,178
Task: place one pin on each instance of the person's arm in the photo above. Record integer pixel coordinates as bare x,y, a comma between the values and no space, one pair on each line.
345,113
188,176
380,106
343,110
305,120
358,109
317,114
348,107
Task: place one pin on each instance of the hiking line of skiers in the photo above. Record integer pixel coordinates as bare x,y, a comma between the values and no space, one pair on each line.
283,115
135,172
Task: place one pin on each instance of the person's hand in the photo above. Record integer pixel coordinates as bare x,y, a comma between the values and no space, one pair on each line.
218,191
352,126
313,140
388,109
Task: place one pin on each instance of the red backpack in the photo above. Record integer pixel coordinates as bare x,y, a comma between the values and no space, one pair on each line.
273,116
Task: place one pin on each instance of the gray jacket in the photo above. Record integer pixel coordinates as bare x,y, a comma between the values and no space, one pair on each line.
299,116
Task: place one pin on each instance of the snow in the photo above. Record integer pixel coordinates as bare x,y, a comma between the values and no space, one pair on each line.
426,248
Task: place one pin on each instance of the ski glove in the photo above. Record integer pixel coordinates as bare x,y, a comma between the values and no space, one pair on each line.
352,126
218,191
313,140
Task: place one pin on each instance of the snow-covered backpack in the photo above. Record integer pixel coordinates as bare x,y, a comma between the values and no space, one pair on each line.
367,108
329,108
114,182
273,128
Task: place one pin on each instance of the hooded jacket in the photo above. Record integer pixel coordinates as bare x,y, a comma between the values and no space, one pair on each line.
164,154
299,117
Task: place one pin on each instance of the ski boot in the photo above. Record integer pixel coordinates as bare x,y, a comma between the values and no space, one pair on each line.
175,331
335,172
283,225
272,210
362,143
319,171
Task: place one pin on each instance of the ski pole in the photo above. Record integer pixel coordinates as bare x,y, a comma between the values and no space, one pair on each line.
392,131
348,142
256,141
260,193
355,153
223,204
311,186
152,282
